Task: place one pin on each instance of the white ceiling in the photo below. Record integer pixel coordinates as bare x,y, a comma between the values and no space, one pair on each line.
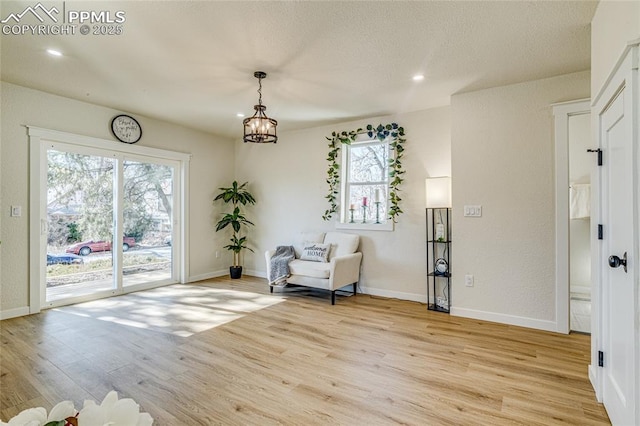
192,62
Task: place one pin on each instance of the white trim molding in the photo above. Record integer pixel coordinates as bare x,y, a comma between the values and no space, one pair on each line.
413,297
562,112
74,139
504,319
254,273
14,313
208,276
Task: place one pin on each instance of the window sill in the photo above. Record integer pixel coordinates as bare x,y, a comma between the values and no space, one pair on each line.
370,226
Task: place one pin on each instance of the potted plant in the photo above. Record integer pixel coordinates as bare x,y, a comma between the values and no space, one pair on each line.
236,195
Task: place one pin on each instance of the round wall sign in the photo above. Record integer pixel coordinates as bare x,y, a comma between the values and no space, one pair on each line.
126,129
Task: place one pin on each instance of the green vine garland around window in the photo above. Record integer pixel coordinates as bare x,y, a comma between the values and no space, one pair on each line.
393,131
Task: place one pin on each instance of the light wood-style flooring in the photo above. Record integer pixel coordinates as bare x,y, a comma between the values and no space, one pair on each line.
228,352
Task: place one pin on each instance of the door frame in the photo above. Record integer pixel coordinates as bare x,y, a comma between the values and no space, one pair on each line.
38,140
623,76
562,112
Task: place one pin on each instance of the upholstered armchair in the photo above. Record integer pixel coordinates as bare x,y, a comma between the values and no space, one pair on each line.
341,268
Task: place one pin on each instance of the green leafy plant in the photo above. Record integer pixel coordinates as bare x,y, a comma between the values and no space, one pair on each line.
74,235
396,172
236,195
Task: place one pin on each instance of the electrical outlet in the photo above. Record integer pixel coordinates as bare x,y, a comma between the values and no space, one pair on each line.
217,254
468,280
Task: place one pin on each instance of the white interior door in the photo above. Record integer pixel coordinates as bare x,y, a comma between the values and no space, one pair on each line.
619,298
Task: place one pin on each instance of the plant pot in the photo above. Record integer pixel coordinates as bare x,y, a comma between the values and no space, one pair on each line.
235,272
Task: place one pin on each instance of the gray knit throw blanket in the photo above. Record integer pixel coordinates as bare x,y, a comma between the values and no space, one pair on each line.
280,265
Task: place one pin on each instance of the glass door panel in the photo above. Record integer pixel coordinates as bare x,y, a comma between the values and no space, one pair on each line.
80,225
147,223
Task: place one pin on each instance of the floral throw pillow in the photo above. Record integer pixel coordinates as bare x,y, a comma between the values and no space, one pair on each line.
315,252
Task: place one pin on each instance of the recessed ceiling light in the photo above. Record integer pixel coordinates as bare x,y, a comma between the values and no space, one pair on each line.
418,77
54,52
240,115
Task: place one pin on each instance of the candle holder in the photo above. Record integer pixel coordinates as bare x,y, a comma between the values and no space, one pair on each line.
364,214
377,211
351,214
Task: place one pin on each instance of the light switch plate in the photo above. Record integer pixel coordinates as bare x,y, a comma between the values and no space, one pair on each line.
473,211
16,211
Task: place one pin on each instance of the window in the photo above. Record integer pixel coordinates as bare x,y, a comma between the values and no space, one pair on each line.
368,172
365,178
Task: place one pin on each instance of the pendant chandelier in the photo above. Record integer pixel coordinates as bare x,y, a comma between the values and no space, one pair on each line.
259,128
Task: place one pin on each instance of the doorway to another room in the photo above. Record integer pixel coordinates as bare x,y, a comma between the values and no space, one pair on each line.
580,165
574,231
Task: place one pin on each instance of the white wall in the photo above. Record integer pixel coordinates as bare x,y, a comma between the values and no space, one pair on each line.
288,180
503,159
614,24
211,167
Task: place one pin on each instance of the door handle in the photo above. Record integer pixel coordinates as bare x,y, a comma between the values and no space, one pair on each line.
615,261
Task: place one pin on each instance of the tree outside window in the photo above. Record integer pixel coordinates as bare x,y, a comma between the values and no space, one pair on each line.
365,182
80,198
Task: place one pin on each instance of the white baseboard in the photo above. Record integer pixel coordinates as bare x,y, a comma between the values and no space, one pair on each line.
13,313
207,276
393,294
505,319
593,378
254,273
364,290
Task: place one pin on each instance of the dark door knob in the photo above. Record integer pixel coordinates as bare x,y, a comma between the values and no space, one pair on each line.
615,261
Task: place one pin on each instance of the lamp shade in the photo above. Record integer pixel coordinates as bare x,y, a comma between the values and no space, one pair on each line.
438,192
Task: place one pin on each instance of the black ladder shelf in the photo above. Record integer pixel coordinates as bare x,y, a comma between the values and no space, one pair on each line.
439,259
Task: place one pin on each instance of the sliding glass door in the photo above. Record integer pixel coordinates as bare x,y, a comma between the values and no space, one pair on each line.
109,222
79,224
147,219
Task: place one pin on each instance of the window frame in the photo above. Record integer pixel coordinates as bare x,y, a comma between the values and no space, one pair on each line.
346,183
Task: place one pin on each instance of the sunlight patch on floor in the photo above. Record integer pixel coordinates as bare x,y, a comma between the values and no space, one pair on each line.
180,309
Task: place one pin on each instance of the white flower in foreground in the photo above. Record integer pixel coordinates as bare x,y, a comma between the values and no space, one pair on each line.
113,412
38,416
61,411
29,417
